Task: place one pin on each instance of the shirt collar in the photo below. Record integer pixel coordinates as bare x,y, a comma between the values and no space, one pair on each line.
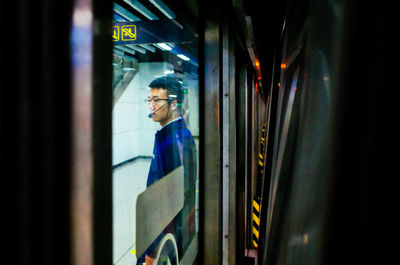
179,118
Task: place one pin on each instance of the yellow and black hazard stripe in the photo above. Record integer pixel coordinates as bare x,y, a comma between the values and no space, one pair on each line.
257,195
256,221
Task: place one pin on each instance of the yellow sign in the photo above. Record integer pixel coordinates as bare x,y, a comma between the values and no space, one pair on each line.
128,33
115,35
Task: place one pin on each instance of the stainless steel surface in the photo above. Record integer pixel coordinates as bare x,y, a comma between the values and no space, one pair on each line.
82,120
225,145
254,126
232,192
246,146
212,164
156,207
246,24
91,104
228,149
240,173
282,143
302,169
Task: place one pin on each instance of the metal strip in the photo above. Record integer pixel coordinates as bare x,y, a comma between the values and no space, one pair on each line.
225,145
211,183
156,207
82,120
280,149
191,252
247,225
233,239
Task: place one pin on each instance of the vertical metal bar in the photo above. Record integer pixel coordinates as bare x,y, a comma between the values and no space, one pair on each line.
81,155
254,125
246,155
225,144
102,136
254,140
91,212
232,157
250,156
211,138
241,159
281,148
275,148
228,150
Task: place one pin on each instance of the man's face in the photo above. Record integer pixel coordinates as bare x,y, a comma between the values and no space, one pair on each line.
161,107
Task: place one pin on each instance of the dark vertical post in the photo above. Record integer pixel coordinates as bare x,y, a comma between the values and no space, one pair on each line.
211,139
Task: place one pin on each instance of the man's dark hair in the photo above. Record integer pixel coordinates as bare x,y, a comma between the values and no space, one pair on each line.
171,84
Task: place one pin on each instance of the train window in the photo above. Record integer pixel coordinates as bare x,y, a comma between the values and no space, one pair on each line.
155,133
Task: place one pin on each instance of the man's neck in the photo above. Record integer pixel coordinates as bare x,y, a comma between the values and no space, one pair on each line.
164,122
170,120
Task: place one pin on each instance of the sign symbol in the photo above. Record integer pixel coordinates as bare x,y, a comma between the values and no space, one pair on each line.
128,33
115,35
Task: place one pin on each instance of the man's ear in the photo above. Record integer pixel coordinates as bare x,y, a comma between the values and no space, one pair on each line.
174,105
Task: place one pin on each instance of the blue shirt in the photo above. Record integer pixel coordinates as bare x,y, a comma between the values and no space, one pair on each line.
174,146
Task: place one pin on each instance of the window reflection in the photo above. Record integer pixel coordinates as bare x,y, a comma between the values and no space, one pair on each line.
155,134
174,146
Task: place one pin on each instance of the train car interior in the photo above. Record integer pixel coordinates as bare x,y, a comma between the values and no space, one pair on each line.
232,132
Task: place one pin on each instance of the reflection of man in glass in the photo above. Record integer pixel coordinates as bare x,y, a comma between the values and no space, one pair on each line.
173,146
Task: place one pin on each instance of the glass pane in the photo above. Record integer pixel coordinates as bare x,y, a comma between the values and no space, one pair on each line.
155,133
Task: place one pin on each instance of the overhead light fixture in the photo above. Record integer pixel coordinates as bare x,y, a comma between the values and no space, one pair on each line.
136,48
124,49
183,57
128,68
125,13
141,8
163,8
164,46
148,47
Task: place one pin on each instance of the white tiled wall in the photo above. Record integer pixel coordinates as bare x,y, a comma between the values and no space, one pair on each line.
133,131
193,103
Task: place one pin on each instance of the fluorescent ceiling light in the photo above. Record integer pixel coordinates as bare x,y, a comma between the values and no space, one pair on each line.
125,49
136,48
183,57
118,52
128,69
163,8
164,46
125,13
141,8
148,47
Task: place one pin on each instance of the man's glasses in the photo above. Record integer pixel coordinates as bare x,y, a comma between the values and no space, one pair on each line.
155,100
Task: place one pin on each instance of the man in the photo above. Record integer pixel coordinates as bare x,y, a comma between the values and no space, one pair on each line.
173,146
